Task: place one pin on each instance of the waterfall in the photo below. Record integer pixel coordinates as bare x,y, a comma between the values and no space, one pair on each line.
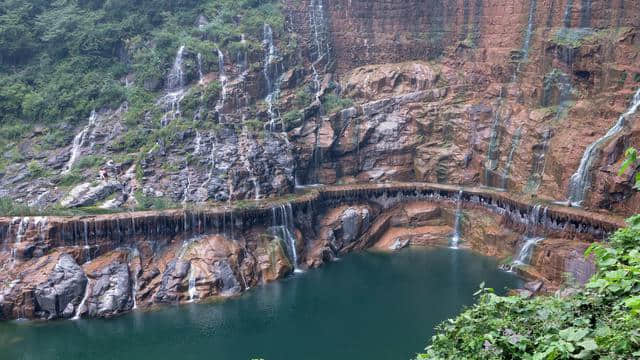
529,33
515,142
249,168
493,152
525,253
222,77
187,189
566,19
81,306
284,229
79,141
134,286
193,292
457,228
580,181
539,162
320,33
175,80
200,75
198,143
270,72
585,14
175,90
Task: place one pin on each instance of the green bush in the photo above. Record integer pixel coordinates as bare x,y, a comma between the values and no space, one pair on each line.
62,59
8,207
89,162
153,203
71,178
35,169
304,97
333,103
292,119
600,321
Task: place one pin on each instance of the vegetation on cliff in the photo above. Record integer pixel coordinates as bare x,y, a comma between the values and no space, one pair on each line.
62,59
600,321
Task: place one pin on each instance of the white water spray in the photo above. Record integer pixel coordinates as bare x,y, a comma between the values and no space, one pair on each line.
580,181
285,228
457,228
222,77
79,141
524,256
175,90
83,302
193,292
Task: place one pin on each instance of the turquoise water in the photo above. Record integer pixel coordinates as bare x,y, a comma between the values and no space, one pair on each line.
366,306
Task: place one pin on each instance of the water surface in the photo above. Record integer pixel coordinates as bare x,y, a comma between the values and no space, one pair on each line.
366,306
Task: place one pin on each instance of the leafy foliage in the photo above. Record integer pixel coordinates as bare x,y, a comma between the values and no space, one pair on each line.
631,159
600,321
60,59
333,103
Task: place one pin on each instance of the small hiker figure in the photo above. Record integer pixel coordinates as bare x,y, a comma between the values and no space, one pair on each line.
104,175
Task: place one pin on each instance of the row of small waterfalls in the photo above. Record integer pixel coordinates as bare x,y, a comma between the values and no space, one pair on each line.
99,234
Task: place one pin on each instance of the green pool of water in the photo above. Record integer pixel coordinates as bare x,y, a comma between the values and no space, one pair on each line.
366,306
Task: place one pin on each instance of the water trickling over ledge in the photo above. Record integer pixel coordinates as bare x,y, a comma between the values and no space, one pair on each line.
119,228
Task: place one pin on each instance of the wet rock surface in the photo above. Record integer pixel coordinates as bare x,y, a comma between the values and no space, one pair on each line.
180,259
501,94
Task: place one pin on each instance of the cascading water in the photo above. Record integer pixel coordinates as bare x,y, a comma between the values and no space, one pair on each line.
21,231
198,143
193,292
525,253
530,27
175,79
566,18
515,142
134,287
81,306
219,108
79,141
319,28
175,90
282,217
271,76
580,181
528,36
493,152
457,227
539,162
200,74
246,162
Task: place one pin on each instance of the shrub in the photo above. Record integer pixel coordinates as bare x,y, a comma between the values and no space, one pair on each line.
8,207
332,103
600,321
292,119
35,169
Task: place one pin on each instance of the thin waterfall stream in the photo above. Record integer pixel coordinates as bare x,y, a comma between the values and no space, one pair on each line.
457,228
581,179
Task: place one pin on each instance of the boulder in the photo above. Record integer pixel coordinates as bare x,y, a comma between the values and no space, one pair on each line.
111,291
63,290
89,193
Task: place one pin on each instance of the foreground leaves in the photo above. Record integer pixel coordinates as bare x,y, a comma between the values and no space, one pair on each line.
601,321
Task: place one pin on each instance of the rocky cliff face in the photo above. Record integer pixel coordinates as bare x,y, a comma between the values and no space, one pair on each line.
499,93
105,265
524,96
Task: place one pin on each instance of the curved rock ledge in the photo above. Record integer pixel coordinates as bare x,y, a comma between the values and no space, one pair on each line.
65,231
100,266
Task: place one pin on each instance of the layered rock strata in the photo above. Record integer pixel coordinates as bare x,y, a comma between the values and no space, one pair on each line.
104,265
